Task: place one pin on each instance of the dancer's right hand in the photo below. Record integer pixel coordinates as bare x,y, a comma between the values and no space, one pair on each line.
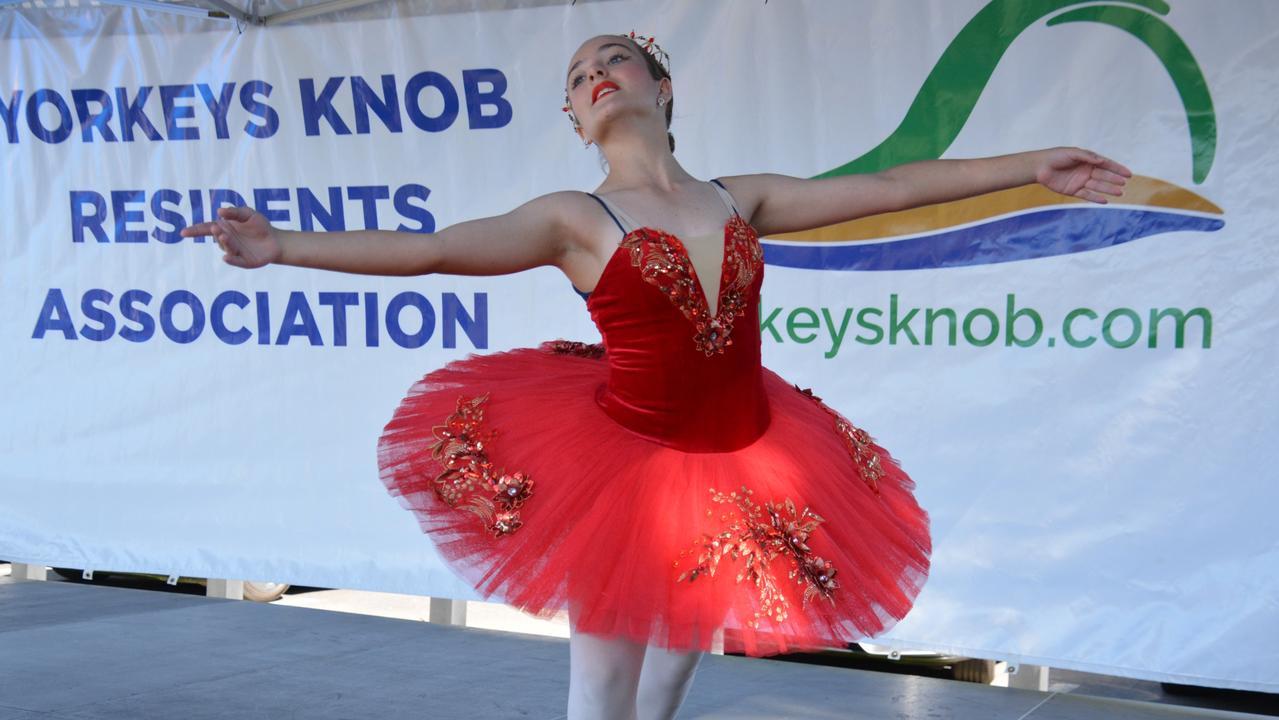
246,238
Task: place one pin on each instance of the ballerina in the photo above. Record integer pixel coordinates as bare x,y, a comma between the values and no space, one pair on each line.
663,486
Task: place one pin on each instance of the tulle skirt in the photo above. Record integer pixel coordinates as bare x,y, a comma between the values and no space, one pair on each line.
808,538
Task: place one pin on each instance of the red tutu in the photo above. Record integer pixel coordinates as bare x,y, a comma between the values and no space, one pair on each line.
668,486
620,525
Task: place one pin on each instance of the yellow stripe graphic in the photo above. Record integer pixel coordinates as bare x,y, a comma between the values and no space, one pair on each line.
1140,190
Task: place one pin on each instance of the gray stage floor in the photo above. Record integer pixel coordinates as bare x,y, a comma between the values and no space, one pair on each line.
80,651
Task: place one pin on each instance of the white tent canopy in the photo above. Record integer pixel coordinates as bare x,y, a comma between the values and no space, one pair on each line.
63,17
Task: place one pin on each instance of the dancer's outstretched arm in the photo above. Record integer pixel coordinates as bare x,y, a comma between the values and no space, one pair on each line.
536,233
787,204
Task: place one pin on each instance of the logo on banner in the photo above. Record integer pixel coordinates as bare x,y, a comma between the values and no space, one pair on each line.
1019,223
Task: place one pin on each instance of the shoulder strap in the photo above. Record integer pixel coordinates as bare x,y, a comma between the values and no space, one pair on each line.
604,205
625,223
725,196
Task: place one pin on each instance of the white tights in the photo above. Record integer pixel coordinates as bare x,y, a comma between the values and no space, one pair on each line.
617,679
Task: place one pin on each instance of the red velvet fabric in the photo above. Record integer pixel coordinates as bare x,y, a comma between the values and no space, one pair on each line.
660,385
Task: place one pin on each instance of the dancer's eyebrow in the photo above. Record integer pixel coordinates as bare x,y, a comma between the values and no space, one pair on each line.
597,50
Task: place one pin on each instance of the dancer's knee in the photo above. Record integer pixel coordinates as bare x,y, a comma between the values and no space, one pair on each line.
606,679
603,676
670,686
665,682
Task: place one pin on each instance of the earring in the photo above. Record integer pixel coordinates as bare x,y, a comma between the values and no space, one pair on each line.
661,101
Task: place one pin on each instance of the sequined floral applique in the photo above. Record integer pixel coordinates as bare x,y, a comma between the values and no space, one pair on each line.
469,481
663,261
593,351
861,447
757,535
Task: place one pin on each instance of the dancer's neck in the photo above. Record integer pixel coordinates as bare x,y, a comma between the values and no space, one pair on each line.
642,160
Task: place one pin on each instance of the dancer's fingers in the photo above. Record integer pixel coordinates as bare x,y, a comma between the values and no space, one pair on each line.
1115,167
1099,161
1102,186
240,213
228,233
198,230
1086,156
1110,176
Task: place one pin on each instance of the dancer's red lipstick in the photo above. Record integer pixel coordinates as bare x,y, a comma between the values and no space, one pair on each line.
607,84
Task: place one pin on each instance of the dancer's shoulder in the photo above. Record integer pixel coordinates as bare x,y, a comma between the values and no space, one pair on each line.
579,217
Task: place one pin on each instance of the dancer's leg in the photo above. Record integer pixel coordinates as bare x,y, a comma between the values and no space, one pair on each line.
664,682
603,676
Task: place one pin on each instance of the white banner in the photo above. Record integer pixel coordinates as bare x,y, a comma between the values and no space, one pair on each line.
1084,394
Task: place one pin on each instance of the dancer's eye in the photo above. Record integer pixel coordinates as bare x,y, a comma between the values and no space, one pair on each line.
577,79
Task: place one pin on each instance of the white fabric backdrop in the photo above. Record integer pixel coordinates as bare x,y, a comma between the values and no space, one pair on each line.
1101,508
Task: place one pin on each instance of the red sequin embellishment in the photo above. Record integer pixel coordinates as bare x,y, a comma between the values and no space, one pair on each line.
663,261
468,479
861,447
593,351
757,535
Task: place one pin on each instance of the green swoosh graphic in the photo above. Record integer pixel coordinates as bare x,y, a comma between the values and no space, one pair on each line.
951,90
1181,66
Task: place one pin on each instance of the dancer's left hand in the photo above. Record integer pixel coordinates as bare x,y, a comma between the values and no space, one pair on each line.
1080,173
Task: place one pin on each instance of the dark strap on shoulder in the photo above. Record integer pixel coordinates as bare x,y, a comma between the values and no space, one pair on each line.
732,204
598,199
610,212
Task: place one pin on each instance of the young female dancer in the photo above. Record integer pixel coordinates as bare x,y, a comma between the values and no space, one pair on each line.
662,486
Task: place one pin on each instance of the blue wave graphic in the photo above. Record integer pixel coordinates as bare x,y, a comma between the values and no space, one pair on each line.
1045,233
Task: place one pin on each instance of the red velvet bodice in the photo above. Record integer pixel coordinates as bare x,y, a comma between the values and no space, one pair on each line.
676,375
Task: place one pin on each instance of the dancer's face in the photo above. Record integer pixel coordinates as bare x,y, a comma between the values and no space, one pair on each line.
608,79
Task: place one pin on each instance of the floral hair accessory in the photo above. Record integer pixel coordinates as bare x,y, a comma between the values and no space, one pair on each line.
648,45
